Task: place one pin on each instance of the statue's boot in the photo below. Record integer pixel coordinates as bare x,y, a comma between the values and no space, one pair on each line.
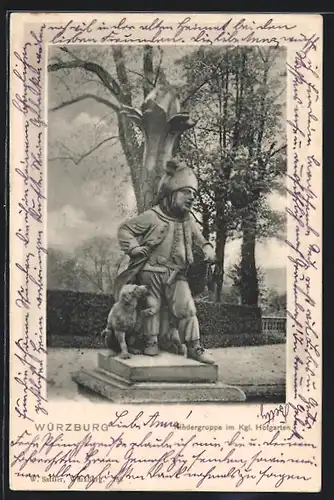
197,352
151,346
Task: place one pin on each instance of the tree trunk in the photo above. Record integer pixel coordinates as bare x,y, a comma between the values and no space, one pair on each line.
148,186
205,221
249,278
219,268
249,289
160,119
148,69
221,236
133,155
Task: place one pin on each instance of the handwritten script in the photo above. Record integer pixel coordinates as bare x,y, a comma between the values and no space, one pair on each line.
159,30
142,446
29,239
278,448
304,244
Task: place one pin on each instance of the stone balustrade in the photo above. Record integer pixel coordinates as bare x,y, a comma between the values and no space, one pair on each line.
273,324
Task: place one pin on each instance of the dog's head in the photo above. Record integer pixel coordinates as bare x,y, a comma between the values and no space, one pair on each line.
132,293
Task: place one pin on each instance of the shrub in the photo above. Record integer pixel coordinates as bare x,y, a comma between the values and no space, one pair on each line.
75,314
228,319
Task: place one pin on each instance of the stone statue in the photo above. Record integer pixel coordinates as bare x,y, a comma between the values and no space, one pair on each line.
158,244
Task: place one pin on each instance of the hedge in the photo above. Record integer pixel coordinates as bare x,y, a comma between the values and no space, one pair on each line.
75,315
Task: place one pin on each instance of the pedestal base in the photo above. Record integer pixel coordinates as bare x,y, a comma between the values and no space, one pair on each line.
165,367
166,378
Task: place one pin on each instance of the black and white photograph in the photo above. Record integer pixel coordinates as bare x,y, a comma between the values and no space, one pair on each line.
166,189
166,256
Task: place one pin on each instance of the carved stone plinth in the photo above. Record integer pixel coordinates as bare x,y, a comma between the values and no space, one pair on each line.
165,367
166,378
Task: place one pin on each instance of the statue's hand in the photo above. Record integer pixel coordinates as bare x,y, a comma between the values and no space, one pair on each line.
209,254
148,312
139,251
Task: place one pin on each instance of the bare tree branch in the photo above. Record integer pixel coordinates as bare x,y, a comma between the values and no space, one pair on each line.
279,94
196,89
65,85
89,277
148,68
109,82
91,80
162,77
122,74
55,58
141,76
115,107
259,50
205,81
157,74
76,161
208,105
104,118
68,51
273,153
62,158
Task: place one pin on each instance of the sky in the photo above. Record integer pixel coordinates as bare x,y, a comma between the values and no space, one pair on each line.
93,197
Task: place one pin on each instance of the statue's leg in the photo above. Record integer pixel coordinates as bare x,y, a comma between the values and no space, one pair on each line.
124,354
169,339
151,319
182,306
110,341
164,326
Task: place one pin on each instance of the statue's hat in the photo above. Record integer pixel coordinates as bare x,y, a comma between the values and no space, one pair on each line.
177,176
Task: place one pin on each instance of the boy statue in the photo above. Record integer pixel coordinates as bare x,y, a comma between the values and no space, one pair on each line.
159,243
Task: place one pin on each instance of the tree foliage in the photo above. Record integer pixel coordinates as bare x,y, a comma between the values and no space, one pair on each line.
235,148
63,272
92,267
97,258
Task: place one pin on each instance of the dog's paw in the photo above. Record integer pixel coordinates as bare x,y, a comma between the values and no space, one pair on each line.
125,355
183,351
112,354
135,351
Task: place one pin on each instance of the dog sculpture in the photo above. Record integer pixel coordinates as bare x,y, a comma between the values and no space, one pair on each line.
123,334
123,323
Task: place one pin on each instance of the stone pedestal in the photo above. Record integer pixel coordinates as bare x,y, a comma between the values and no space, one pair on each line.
166,378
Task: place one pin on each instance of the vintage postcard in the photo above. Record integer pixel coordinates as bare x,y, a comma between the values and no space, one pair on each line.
165,252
